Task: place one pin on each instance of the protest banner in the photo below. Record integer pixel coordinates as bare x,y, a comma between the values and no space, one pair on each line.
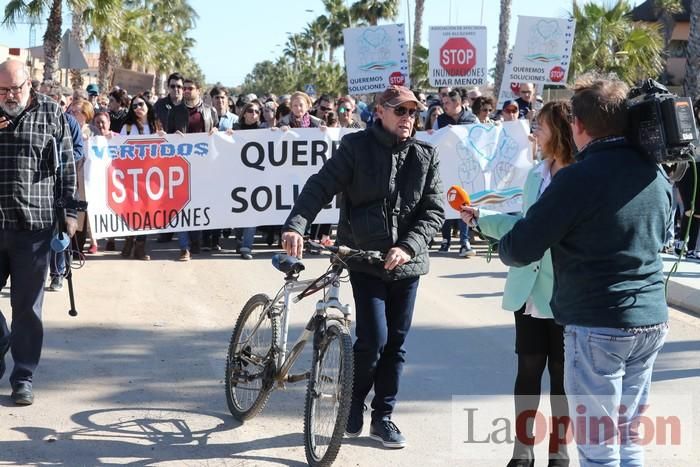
200,182
375,58
457,56
541,54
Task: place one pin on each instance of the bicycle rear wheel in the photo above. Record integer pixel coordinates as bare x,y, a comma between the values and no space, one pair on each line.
250,363
328,396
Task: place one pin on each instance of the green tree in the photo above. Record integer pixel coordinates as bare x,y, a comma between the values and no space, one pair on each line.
417,33
316,34
339,18
503,34
77,32
692,68
608,41
371,11
36,9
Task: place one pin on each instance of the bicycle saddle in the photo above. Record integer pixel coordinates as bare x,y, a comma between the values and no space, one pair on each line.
287,264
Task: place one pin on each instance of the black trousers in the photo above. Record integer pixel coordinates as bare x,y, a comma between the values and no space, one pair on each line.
384,311
24,257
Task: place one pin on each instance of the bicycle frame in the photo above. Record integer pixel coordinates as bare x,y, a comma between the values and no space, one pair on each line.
328,308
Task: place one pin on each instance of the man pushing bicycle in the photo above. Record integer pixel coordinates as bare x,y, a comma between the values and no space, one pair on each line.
391,202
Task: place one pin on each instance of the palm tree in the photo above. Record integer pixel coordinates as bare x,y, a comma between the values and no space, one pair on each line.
339,18
77,33
106,21
417,33
692,68
316,34
371,11
608,41
665,10
503,34
36,9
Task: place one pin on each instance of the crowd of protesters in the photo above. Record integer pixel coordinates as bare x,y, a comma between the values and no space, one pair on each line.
188,108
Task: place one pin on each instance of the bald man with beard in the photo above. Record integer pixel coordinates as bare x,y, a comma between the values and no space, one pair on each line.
36,167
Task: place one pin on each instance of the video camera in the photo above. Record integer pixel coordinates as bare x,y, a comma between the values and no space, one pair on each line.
660,123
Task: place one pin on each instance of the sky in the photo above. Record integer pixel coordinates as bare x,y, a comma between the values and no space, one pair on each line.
233,35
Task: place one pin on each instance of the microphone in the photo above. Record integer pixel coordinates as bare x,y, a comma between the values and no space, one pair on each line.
59,242
457,197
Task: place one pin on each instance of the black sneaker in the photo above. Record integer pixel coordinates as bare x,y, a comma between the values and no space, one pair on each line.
353,429
444,247
3,352
56,283
22,394
388,433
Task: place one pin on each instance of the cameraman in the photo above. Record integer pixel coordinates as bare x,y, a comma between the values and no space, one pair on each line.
31,178
605,241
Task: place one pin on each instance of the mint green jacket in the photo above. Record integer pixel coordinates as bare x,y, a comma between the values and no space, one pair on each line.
535,280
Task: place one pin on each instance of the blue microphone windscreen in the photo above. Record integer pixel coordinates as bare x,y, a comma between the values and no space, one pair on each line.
59,244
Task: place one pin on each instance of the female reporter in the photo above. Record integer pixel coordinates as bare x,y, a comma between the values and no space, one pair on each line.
539,340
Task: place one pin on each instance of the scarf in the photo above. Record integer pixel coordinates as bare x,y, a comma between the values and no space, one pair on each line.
303,122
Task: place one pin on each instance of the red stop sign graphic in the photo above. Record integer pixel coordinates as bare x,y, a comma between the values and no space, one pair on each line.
397,79
147,185
457,56
556,74
515,87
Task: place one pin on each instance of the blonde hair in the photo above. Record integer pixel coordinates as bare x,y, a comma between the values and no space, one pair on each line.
304,97
87,109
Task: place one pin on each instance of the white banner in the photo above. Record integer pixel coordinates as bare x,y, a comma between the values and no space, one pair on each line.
375,57
201,182
541,54
457,56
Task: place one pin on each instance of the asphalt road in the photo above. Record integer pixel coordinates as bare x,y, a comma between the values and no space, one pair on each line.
137,377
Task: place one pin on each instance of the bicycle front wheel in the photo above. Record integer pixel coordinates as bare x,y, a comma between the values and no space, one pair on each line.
328,396
250,363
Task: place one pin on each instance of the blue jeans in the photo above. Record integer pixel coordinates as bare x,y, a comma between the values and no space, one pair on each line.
24,257
463,232
57,264
245,235
607,372
183,238
384,313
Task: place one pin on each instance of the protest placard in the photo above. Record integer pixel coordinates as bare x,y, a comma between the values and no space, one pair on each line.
200,182
375,57
457,56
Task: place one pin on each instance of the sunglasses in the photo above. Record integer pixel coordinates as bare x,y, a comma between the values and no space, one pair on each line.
401,111
487,110
342,110
136,105
175,86
252,111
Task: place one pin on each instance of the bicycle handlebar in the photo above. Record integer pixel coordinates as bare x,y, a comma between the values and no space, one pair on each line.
372,256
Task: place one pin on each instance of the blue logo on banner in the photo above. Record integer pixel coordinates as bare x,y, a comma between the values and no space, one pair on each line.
310,89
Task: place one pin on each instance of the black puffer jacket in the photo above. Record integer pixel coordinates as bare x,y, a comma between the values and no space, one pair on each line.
367,168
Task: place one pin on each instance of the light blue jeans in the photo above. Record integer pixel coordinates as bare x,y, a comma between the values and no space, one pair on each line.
607,374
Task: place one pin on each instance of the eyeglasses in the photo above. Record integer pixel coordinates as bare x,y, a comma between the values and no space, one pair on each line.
401,111
487,110
326,109
175,86
136,105
12,89
252,111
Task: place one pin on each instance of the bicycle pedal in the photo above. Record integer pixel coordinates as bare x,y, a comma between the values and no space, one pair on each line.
297,378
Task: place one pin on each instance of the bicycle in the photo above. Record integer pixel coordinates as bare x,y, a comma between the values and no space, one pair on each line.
258,360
